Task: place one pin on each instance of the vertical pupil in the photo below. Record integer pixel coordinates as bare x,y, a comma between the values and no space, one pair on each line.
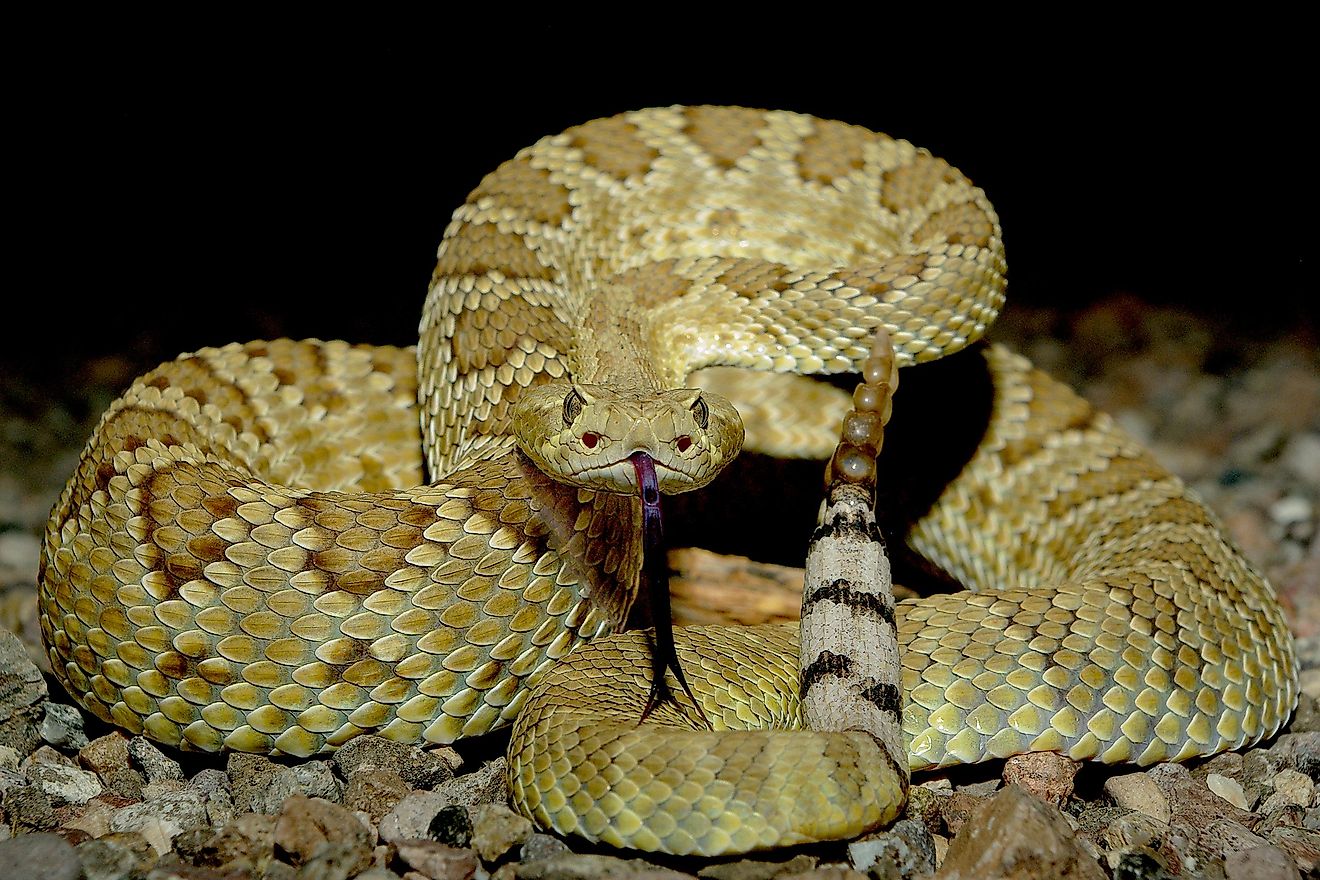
572,407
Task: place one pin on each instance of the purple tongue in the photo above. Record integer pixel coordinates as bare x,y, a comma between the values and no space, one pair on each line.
650,489
655,582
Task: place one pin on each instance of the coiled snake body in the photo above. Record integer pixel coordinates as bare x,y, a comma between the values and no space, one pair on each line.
234,565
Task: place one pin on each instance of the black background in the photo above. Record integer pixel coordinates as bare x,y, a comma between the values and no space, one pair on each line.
213,185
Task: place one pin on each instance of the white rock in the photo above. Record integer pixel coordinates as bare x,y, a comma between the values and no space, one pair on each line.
1228,789
67,784
1291,509
162,818
1302,457
1137,791
1291,788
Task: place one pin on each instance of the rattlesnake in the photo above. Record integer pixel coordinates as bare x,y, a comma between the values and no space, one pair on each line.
233,564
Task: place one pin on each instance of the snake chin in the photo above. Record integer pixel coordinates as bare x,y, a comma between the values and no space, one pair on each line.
584,435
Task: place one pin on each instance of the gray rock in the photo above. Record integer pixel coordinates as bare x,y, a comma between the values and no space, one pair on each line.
135,843
766,867
905,850
1260,863
64,785
496,829
317,779
418,768
1134,831
1016,835
1298,751
162,818
1291,788
9,759
44,754
572,866
1308,651
258,784
108,859
375,792
334,860
377,874
245,844
1302,845
39,857
1307,717
274,871
62,727
1198,840
20,553
93,818
1302,457
153,763
542,846
436,860
22,693
1207,826
1259,766
28,809
1096,816
488,784
107,757
411,817
1227,764
983,789
214,786
321,838
924,804
10,779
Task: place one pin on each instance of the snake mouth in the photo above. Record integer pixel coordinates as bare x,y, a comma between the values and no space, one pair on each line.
623,475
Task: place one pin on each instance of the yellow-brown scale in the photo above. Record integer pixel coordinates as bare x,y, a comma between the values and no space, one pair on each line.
184,597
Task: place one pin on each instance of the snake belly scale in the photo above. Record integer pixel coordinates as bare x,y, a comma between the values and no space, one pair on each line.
263,550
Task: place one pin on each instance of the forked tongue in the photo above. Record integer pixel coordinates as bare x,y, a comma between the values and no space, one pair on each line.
655,583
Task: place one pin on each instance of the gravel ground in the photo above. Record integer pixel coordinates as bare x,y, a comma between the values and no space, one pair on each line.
1235,411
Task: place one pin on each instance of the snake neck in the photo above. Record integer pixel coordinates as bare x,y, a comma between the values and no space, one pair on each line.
596,535
616,345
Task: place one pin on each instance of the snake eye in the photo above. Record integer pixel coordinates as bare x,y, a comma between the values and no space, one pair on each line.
573,404
701,412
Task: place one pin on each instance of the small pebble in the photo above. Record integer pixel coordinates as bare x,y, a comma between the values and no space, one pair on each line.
1302,457
62,727
1291,788
1228,789
1137,791
39,857
496,829
1290,509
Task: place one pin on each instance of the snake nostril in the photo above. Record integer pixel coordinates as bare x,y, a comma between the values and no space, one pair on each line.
590,439
684,443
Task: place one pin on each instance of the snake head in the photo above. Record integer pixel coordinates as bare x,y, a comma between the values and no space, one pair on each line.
583,435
